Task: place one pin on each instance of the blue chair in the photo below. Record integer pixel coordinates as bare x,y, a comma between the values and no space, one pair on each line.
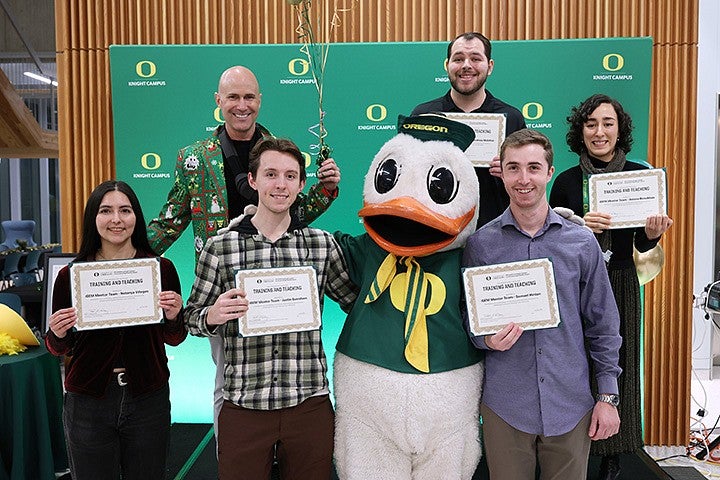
18,230
11,265
11,300
32,262
21,279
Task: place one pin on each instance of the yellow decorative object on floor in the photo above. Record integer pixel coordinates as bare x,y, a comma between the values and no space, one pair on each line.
14,332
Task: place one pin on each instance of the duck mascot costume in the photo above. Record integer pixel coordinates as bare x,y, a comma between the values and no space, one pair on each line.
407,380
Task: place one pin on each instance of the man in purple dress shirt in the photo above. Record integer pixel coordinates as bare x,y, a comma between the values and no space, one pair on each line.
537,405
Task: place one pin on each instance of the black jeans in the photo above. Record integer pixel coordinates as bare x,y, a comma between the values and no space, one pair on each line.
117,434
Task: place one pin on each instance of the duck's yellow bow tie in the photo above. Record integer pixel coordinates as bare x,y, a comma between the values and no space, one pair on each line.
409,292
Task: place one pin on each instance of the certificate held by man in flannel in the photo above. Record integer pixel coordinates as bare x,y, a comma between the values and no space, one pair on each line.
280,300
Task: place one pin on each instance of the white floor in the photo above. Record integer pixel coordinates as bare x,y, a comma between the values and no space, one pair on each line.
705,395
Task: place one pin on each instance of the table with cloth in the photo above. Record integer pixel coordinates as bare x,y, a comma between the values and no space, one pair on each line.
32,443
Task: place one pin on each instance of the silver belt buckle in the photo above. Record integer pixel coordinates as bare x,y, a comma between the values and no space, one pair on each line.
120,380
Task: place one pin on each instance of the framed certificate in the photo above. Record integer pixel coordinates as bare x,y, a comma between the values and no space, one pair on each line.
489,135
519,292
54,262
280,300
116,293
630,197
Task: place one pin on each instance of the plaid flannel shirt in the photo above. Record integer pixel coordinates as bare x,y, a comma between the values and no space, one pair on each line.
269,372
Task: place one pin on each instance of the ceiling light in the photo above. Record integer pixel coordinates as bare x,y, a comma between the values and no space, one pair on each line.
40,78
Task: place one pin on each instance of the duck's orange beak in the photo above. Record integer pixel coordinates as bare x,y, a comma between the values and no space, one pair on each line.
403,226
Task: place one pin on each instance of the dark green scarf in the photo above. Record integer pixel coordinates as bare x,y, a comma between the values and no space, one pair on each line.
615,165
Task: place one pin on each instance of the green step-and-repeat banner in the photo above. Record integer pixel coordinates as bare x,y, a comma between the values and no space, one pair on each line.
163,99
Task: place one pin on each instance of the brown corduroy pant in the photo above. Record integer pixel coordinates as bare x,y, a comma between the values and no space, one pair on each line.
303,434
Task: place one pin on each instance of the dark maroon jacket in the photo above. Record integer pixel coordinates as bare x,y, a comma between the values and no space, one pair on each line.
139,349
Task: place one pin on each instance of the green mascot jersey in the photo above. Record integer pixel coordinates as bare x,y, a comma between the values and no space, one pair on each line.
375,332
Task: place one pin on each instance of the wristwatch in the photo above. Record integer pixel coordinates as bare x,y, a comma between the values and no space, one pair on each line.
613,400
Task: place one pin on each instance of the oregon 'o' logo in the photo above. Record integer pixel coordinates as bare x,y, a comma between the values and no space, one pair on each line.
145,69
217,115
307,158
304,66
376,112
147,158
613,59
532,110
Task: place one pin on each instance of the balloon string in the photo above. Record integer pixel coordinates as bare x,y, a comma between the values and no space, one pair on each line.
317,55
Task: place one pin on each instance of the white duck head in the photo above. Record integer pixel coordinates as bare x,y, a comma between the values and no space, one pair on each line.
421,192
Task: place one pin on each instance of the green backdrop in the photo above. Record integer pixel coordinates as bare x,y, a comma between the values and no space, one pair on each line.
163,99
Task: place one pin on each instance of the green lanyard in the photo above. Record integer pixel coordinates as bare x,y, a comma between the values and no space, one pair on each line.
586,194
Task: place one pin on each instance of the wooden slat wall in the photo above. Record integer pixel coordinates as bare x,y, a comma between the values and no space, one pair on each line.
85,29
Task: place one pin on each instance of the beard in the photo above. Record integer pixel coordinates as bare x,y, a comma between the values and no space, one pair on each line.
467,89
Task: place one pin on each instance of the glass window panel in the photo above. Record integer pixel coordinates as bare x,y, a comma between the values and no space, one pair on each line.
30,194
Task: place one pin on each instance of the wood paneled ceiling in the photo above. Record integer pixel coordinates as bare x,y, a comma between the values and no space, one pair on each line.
20,134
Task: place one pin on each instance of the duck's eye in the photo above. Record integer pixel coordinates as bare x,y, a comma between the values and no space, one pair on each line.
386,175
441,185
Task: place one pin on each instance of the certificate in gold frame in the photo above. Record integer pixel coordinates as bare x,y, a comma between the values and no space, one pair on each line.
630,197
281,300
489,134
519,292
116,293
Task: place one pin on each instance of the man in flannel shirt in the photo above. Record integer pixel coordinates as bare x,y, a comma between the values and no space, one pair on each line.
276,389
211,182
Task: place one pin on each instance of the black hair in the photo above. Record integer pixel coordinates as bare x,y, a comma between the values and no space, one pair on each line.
91,240
470,36
579,115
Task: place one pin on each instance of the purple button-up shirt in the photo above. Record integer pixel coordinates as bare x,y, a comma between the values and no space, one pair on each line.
541,385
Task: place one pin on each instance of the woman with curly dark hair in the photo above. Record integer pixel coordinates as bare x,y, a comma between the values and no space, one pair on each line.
600,133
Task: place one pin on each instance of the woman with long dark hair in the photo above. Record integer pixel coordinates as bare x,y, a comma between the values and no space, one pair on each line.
600,133
116,411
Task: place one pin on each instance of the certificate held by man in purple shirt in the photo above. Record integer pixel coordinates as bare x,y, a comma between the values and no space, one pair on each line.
519,292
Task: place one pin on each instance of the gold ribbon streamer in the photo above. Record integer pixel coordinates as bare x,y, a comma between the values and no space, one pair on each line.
316,44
